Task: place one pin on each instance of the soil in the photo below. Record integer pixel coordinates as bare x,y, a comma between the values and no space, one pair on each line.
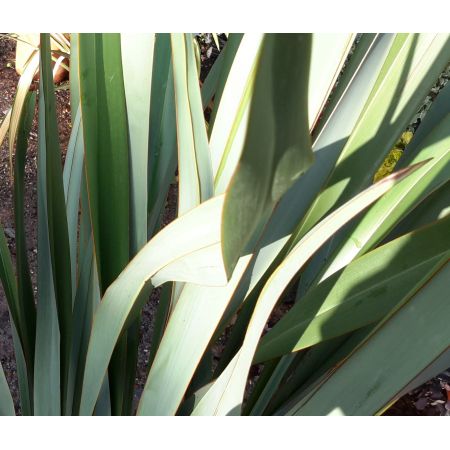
429,399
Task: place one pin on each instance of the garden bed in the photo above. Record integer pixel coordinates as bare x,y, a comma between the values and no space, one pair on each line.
429,399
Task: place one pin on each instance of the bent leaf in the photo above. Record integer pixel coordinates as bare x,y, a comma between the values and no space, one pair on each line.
362,293
193,232
277,148
226,394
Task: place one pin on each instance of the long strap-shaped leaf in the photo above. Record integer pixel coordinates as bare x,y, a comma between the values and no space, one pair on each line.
176,361
217,77
24,380
215,80
329,52
177,243
439,365
230,114
21,305
327,147
47,394
74,77
106,150
26,330
86,302
195,177
185,340
194,160
137,57
9,281
300,368
437,112
72,176
384,215
366,41
55,209
106,140
226,394
162,159
286,215
377,371
435,206
277,148
4,127
291,208
411,68
364,292
23,87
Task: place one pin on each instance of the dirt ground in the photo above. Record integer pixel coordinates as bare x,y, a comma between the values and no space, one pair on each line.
429,399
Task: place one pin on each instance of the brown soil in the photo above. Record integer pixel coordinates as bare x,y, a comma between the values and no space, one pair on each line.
411,404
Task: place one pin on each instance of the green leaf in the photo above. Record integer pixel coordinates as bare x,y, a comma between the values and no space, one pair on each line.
162,160
137,60
23,86
106,150
387,212
403,82
58,240
47,387
438,111
362,293
23,378
228,122
410,69
184,342
224,61
374,374
249,277
194,162
27,327
267,384
439,365
103,108
72,177
196,231
74,76
435,206
9,282
209,86
327,146
302,367
19,296
355,62
277,147
328,54
195,178
4,127
86,302
225,396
